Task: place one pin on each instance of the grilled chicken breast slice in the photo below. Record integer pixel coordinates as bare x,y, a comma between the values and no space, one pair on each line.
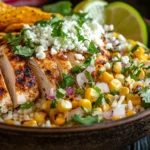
5,100
47,74
19,78
63,63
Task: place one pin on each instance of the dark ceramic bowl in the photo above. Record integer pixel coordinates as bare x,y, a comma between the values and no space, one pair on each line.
105,136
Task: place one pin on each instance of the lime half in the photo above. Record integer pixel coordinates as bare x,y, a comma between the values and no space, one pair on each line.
94,8
126,21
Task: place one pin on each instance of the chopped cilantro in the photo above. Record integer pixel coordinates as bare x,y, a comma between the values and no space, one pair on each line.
88,120
13,40
27,105
80,37
148,75
24,51
53,104
135,48
61,93
98,90
62,7
92,49
113,92
67,81
98,101
145,105
145,94
78,68
57,29
90,78
44,23
79,91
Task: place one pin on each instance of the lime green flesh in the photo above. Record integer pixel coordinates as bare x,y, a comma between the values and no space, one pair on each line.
126,21
94,8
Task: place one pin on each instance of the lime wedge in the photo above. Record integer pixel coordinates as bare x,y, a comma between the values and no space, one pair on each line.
127,21
94,8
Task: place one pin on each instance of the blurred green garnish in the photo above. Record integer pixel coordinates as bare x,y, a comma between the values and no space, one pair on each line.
62,7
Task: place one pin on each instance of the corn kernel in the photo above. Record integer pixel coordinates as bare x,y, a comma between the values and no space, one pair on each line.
115,84
117,67
64,105
142,74
100,67
60,120
106,77
143,57
115,34
75,103
120,77
105,107
91,94
39,116
52,114
98,109
116,54
130,113
30,123
136,99
116,117
110,97
124,91
9,121
46,105
85,103
139,51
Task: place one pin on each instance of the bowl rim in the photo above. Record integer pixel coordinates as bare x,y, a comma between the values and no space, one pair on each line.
95,127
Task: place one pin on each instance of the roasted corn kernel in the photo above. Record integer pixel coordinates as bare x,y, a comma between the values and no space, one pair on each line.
142,74
106,77
116,117
9,121
60,119
130,113
30,123
46,105
39,116
117,67
136,99
75,103
115,84
64,105
139,51
124,91
91,94
110,97
85,103
105,107
120,77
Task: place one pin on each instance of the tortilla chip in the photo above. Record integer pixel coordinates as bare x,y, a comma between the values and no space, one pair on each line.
22,14
5,8
15,27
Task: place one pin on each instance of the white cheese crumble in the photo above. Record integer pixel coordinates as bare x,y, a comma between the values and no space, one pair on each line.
107,65
125,59
79,56
43,36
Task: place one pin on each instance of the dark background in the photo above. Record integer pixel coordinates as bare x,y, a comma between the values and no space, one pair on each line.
143,6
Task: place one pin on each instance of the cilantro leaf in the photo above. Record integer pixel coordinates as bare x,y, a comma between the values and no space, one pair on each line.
53,104
113,92
148,75
92,49
78,68
13,40
98,101
61,93
27,105
89,77
57,29
145,94
62,7
68,81
24,51
80,37
88,120
135,48
145,105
